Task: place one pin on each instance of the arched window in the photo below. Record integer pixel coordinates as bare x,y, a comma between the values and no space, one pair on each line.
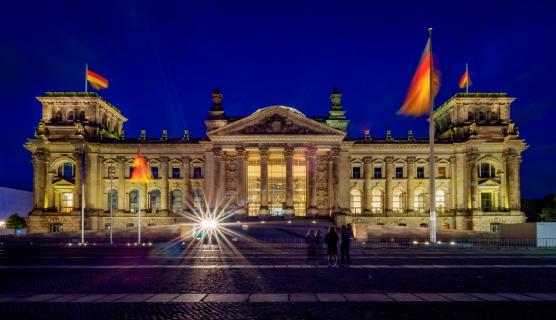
486,170
376,201
397,201
482,116
440,201
355,201
66,171
154,200
58,116
70,115
470,116
176,200
112,200
419,201
134,201
81,115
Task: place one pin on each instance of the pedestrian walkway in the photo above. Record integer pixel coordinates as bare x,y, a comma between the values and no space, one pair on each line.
393,297
281,266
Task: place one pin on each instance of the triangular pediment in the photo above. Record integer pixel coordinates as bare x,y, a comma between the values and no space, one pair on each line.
63,182
489,183
276,121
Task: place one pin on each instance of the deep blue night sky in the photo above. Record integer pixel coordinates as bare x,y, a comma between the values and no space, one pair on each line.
163,59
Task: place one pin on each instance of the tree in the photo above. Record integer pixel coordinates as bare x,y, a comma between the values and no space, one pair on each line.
16,222
549,212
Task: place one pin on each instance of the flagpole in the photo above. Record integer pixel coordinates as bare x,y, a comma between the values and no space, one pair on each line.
432,171
467,81
86,70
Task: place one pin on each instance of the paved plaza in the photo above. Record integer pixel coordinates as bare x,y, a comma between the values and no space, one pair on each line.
272,281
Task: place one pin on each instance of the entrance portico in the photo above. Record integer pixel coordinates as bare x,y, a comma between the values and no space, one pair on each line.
282,161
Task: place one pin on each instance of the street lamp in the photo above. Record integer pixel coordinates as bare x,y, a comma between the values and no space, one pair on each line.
111,171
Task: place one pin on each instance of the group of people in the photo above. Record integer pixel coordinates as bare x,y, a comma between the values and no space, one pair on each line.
315,242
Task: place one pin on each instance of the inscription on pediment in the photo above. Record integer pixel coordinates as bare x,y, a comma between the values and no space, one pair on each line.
277,124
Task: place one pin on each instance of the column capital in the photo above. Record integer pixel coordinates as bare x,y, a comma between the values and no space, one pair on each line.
335,151
389,160
120,159
453,159
164,160
240,151
263,151
410,160
185,159
288,151
472,157
217,151
368,160
78,157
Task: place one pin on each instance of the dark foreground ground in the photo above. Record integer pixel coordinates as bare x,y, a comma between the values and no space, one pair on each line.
271,281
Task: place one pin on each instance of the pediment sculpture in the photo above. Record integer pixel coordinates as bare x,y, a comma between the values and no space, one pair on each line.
277,124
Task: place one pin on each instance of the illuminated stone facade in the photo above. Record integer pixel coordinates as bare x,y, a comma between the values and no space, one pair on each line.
276,162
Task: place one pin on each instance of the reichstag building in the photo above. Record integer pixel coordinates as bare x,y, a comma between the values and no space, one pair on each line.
275,163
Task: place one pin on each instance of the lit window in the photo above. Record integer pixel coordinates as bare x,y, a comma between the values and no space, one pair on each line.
420,172
356,173
376,201
419,202
175,172
355,201
486,201
442,172
67,201
399,172
378,172
440,201
397,201
154,171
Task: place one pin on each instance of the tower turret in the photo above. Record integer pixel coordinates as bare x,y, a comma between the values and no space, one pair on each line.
216,116
336,114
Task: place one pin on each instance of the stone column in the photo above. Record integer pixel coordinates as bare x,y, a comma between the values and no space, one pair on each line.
217,182
263,210
121,174
241,180
331,183
78,177
343,181
454,186
185,179
209,173
410,183
312,171
472,169
389,169
40,176
513,162
335,155
164,192
367,174
289,211
49,188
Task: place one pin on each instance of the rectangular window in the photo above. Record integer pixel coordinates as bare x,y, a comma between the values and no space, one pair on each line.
67,201
197,173
420,172
486,201
56,227
378,172
130,172
299,186
494,227
253,186
442,172
175,173
399,172
356,173
154,171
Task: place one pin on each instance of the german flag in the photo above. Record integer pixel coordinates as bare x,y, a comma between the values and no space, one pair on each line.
420,93
464,81
140,171
96,80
